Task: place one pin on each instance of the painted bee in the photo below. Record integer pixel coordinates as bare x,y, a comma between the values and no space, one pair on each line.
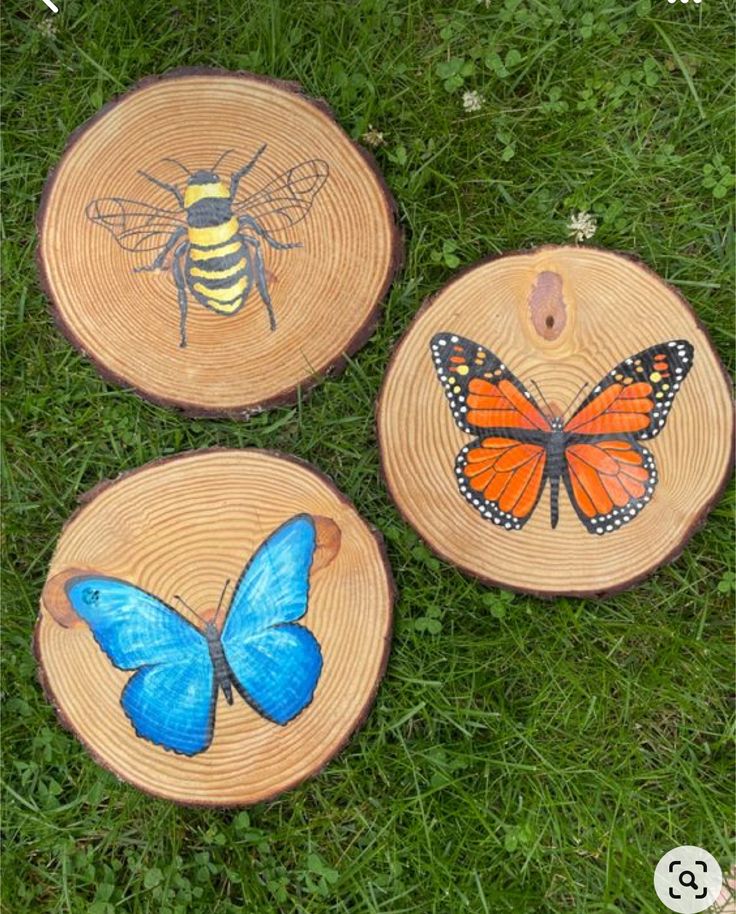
214,239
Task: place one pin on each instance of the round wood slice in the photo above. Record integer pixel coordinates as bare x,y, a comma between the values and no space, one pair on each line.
182,527
105,215
556,318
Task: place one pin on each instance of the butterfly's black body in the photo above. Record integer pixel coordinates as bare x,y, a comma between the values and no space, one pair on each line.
555,467
223,673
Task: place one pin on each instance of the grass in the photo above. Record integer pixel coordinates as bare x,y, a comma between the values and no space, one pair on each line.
522,756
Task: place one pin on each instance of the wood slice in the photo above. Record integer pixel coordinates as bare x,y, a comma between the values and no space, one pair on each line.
179,529
556,319
310,227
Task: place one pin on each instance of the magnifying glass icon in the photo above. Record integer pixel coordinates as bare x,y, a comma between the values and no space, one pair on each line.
691,884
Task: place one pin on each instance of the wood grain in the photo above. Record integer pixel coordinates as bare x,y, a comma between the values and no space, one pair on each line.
325,294
184,526
562,316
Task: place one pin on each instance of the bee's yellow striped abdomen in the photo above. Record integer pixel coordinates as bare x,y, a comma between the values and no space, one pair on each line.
222,295
222,251
219,274
213,235
218,267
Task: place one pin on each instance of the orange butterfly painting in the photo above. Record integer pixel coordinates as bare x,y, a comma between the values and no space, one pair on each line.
608,474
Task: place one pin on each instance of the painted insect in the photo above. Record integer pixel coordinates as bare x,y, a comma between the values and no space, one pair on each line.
609,476
213,236
260,650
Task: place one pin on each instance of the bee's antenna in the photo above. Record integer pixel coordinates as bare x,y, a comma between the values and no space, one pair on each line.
219,161
574,400
542,396
194,611
177,162
219,604
164,186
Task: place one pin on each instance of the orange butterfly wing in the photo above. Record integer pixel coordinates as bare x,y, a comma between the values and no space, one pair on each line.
483,393
609,476
636,396
503,472
502,478
609,482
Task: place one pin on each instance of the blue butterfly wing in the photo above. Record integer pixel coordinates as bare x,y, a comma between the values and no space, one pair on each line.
276,662
171,698
277,671
274,586
173,705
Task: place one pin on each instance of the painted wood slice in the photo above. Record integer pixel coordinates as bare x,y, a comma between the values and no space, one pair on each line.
556,421
214,626
215,241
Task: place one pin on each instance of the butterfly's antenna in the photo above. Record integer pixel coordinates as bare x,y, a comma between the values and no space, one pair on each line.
219,603
177,162
194,611
574,400
220,160
542,397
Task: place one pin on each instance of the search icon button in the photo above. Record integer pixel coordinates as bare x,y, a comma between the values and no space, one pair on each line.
688,879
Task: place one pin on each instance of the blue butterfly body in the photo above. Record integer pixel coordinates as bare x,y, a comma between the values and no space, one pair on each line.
262,652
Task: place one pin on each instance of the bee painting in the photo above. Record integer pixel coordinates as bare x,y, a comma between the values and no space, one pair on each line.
214,236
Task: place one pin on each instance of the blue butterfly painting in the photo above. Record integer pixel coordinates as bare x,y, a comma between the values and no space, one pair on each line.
260,651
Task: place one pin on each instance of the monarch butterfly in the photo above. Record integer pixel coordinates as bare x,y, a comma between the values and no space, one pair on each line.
213,236
609,476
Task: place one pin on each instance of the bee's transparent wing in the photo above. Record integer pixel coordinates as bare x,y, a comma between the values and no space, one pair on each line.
134,225
287,199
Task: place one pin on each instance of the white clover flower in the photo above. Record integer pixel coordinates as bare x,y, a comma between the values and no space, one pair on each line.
373,137
582,226
472,101
47,27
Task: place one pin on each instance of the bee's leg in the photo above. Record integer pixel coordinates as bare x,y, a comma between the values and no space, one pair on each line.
249,272
255,259
164,186
159,261
242,172
181,287
249,222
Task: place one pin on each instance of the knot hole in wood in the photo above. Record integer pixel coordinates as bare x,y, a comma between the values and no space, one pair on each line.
547,307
